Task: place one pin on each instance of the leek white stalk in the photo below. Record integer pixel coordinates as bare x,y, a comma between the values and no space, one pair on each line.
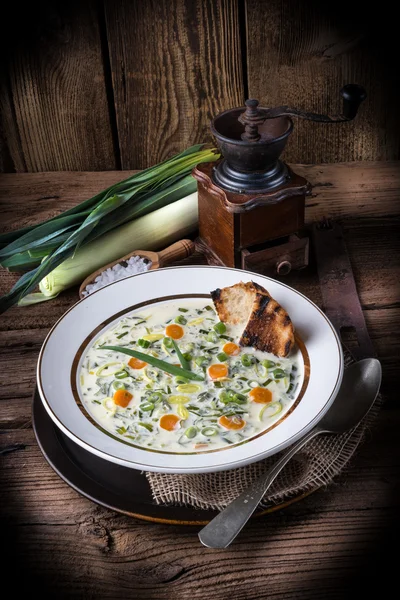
151,232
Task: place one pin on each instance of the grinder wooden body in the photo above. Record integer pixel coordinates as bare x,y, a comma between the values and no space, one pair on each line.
252,231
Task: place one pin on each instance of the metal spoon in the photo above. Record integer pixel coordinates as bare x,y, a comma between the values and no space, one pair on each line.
360,386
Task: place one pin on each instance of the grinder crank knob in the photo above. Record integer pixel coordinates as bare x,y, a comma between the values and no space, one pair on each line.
352,95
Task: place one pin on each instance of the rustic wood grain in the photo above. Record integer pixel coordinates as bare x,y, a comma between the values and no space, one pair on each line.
318,548
56,114
344,191
333,544
301,53
175,64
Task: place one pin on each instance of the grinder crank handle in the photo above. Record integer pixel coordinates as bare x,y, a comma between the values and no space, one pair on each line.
254,116
351,93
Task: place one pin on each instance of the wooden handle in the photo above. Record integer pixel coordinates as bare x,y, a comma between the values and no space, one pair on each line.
175,252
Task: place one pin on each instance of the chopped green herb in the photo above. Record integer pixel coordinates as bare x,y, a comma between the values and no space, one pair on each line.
121,335
147,426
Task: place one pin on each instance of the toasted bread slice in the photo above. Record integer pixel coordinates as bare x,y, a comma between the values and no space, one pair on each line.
235,303
267,326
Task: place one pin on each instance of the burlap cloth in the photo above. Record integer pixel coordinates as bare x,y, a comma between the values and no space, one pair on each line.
313,466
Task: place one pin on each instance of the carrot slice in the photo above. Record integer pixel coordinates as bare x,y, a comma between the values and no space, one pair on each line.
231,349
198,446
122,398
174,331
169,422
234,422
135,363
217,371
261,395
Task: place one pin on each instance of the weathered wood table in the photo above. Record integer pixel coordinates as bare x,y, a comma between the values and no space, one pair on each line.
333,544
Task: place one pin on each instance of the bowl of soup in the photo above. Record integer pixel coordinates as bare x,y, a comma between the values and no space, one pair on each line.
145,374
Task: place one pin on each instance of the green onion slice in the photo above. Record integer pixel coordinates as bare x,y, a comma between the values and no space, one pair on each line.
181,320
220,327
121,374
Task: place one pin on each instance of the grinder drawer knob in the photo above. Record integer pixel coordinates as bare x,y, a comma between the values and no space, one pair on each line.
284,267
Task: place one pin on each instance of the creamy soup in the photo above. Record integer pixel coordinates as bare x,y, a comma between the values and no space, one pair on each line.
239,392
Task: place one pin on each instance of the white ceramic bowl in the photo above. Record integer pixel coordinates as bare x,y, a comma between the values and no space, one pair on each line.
58,367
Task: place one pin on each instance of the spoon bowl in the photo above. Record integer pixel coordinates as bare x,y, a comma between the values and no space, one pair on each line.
360,386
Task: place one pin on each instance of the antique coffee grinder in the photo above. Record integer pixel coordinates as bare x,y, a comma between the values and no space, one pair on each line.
251,204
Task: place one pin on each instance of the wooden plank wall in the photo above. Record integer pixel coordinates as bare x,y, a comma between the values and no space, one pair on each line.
110,84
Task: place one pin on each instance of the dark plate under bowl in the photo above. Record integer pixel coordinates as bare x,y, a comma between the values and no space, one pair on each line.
118,488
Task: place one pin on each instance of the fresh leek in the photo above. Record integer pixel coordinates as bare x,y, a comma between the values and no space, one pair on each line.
153,231
46,246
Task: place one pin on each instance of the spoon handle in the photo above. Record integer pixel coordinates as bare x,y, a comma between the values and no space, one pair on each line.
223,529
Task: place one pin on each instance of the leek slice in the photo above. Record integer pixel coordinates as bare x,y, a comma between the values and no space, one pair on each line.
274,408
178,399
188,388
196,321
109,405
110,364
153,337
183,413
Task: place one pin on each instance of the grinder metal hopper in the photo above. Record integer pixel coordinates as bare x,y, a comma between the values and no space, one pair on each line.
251,204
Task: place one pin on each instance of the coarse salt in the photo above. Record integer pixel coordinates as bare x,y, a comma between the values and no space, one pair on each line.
134,265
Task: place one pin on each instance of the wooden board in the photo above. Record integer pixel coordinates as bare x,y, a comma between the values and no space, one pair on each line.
319,548
175,64
334,544
54,96
301,53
